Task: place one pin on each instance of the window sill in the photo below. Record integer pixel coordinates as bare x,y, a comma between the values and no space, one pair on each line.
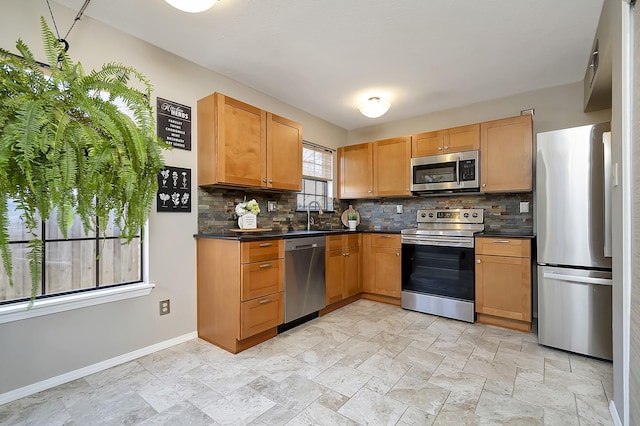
20,311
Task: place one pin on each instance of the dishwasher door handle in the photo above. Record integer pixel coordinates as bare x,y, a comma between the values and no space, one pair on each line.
305,246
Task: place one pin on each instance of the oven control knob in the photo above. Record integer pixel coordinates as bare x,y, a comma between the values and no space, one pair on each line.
466,215
423,215
475,215
430,214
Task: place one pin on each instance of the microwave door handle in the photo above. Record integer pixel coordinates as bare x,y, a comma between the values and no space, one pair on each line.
458,170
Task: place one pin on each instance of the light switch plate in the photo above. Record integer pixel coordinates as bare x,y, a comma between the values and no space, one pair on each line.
399,208
524,207
272,206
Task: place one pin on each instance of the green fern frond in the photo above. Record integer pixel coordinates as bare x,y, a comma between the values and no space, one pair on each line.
34,256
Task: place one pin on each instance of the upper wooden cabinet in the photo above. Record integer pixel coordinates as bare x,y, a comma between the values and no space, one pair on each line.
392,167
243,146
375,169
505,155
355,174
456,139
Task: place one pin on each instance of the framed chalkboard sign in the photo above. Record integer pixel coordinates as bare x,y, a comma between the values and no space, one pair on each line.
174,123
174,190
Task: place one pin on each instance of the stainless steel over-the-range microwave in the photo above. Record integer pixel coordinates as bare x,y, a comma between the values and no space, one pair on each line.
455,172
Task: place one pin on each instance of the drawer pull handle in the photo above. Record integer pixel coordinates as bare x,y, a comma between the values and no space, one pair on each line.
266,265
385,236
502,241
266,244
262,302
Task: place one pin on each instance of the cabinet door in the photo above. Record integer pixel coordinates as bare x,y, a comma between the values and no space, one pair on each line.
392,167
505,155
284,153
352,276
354,175
463,138
428,143
241,143
334,272
385,276
503,287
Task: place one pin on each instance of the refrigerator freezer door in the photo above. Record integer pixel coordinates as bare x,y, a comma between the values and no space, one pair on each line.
574,311
570,208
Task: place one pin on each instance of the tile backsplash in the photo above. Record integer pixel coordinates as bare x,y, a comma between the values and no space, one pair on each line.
216,210
501,211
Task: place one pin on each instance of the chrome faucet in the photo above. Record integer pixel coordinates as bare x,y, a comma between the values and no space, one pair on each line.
309,218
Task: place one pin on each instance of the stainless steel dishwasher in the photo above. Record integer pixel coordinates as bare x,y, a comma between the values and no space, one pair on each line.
304,279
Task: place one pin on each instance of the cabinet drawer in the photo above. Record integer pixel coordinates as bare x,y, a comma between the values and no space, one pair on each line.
512,247
351,240
333,242
257,251
385,240
261,314
262,278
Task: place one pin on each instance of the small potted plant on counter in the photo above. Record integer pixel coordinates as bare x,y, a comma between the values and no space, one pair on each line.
353,221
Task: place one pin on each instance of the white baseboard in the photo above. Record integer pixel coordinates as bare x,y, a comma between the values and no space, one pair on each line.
90,369
614,414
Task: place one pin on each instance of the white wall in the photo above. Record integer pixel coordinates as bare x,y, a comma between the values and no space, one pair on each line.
621,228
555,108
40,348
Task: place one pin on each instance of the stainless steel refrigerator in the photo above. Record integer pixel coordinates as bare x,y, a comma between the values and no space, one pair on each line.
573,220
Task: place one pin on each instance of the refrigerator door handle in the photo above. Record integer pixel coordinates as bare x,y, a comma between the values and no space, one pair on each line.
606,141
578,279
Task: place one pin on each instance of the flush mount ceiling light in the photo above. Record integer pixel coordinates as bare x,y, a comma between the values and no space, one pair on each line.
374,107
192,6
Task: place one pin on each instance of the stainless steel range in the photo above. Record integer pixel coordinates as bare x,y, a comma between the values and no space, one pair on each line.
438,270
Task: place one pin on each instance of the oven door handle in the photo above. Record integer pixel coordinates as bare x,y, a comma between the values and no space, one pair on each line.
443,242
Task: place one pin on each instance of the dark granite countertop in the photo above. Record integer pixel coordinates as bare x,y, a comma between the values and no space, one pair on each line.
251,236
511,233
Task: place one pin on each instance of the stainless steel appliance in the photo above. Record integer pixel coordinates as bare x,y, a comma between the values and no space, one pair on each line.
438,270
455,172
304,278
574,239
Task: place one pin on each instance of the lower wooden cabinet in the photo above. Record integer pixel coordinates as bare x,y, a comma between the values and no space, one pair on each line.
342,267
382,264
240,291
503,282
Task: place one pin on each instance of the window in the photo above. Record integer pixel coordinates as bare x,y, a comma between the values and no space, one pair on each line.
317,178
82,262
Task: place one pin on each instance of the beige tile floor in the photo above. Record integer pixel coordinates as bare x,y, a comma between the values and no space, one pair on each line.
366,364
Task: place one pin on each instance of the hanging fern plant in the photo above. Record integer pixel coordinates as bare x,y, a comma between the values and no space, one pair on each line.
66,145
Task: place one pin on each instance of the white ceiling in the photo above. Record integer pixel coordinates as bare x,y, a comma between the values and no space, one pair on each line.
323,56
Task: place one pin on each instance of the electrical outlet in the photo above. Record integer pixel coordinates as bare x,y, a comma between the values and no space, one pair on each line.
165,307
399,208
272,206
524,207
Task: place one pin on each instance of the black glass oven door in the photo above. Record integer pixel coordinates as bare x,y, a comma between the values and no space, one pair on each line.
439,271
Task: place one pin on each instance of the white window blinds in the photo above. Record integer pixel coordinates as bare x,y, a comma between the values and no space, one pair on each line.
317,162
